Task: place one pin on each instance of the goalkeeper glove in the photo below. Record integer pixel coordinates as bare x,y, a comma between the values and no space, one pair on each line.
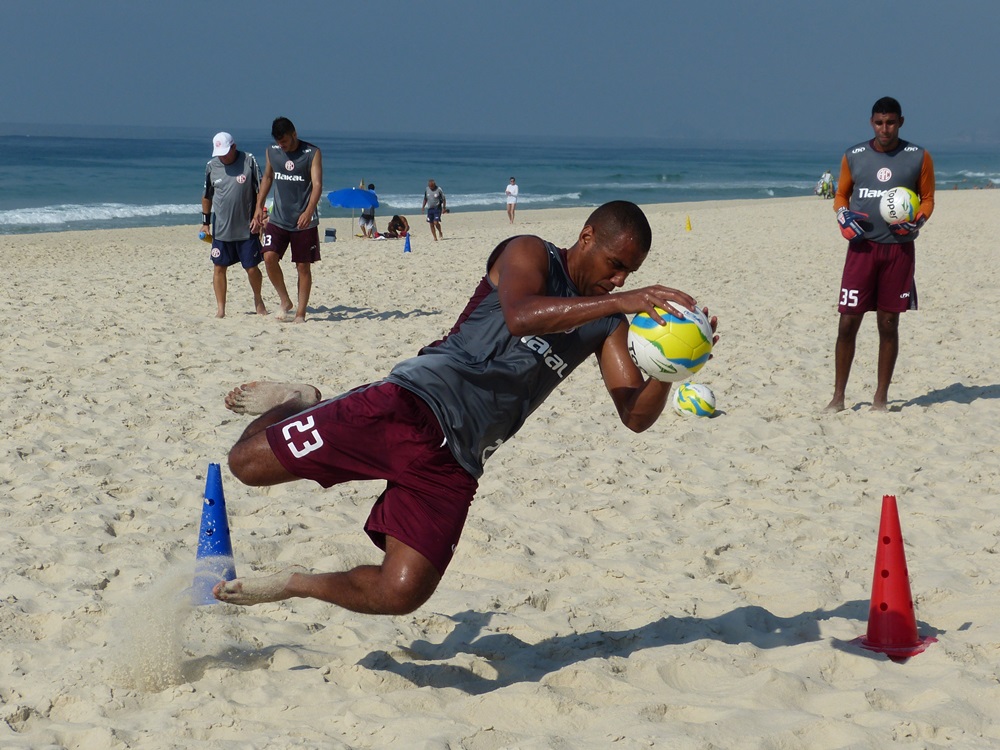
849,226
904,228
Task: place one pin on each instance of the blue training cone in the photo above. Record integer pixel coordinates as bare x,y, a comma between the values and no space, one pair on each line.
406,247
215,560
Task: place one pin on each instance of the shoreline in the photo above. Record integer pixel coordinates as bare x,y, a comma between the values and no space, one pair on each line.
327,220
500,207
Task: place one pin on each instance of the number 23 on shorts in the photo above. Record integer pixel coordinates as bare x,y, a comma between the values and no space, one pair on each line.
304,427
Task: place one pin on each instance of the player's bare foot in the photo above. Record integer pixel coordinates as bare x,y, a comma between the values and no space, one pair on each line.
836,405
299,319
261,309
245,591
220,314
262,396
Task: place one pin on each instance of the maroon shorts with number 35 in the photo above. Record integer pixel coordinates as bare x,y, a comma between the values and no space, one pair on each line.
382,431
878,276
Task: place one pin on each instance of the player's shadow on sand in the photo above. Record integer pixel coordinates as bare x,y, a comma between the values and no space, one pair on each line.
344,312
956,393
514,660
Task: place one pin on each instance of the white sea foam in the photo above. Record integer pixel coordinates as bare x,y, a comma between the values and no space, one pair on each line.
69,213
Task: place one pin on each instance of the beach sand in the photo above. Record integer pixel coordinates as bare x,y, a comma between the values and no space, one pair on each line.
695,586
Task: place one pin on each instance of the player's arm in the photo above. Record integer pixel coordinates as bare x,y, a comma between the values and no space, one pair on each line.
639,400
255,226
206,200
925,186
848,220
520,274
316,175
265,188
845,186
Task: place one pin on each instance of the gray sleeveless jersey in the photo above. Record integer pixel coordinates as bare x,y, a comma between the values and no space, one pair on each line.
482,383
874,173
233,190
292,184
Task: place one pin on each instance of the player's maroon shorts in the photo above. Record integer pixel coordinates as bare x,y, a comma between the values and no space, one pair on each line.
305,243
382,431
878,276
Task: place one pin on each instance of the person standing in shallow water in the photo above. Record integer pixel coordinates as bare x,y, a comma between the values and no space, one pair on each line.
428,428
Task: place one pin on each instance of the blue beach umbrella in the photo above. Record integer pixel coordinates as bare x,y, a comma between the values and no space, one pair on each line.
353,198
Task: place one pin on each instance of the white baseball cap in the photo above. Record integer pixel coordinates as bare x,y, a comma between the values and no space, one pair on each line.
221,144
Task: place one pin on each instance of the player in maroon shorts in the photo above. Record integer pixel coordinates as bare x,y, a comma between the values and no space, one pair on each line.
430,425
878,271
295,169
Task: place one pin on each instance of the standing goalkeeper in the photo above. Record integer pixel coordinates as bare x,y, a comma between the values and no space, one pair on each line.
878,271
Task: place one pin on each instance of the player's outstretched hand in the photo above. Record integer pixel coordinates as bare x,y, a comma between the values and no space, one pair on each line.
714,322
904,228
849,226
648,298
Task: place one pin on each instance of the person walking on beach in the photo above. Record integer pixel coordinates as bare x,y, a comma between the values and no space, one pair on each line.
429,426
878,271
295,168
232,179
511,199
435,204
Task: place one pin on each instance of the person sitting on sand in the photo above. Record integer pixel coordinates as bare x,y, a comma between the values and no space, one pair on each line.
398,227
429,426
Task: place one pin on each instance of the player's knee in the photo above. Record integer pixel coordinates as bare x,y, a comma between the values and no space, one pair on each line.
238,464
244,466
406,595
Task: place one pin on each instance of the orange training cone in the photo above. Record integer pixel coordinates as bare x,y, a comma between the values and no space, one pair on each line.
892,625
215,560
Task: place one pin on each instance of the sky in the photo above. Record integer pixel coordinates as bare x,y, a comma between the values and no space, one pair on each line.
770,72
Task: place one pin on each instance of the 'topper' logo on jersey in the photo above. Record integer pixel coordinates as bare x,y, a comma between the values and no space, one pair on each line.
884,174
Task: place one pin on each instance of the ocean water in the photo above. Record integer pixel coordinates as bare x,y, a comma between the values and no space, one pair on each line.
60,183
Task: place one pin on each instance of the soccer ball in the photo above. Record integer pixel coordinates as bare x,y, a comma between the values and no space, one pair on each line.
674,351
899,204
694,398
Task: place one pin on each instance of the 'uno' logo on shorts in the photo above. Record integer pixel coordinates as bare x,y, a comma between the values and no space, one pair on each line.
884,174
307,427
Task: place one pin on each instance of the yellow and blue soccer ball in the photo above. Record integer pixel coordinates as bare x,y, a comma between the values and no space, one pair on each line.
671,352
899,204
694,398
